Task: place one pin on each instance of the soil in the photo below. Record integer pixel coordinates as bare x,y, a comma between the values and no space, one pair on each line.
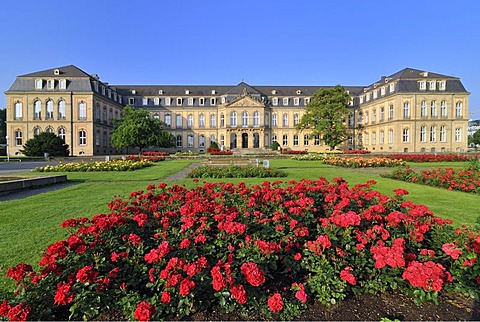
374,308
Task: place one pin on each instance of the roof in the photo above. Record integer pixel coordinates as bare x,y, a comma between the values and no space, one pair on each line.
64,71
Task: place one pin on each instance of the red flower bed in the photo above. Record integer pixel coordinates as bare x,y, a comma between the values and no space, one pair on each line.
451,179
272,249
217,151
294,151
356,152
431,157
153,158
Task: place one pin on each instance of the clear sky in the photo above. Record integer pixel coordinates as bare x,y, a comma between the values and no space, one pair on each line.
222,42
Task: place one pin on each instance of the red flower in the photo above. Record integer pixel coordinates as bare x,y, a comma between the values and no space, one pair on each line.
63,295
141,219
144,311
297,256
76,244
428,275
135,239
348,277
185,243
239,294
321,243
86,274
186,286
4,308
275,303
300,293
400,192
451,250
219,281
253,274
166,297
19,312
19,272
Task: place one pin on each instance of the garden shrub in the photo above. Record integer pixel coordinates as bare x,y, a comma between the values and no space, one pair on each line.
360,162
275,146
115,165
265,251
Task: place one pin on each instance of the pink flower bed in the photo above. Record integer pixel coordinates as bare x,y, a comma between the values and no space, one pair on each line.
431,157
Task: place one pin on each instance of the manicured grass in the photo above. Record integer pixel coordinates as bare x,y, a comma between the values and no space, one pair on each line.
28,225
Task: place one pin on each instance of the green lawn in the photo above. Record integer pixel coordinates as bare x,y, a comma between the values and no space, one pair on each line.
28,225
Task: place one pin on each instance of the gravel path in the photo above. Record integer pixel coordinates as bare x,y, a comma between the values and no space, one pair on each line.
183,173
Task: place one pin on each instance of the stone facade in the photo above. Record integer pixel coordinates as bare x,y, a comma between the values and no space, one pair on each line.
409,111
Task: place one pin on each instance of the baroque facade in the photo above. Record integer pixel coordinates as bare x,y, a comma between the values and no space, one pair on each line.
409,111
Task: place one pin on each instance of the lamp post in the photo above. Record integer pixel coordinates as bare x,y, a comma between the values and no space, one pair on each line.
8,151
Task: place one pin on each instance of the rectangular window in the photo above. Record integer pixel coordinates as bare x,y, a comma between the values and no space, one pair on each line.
422,85
392,87
190,101
382,114
275,101
145,101
406,136
285,120
433,134
316,140
443,109
458,134
390,112
18,138
443,134
131,101
306,140
406,110
382,137
156,101
390,136
432,85
307,100
213,101
295,140
179,101
38,84
285,140
18,111
179,121
375,94
190,141
213,121
367,97
367,138
50,84
168,120
423,134
441,85
382,91
285,101
168,101
296,101
361,99
374,138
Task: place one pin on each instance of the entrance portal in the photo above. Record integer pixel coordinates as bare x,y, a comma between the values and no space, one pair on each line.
245,140
233,141
256,140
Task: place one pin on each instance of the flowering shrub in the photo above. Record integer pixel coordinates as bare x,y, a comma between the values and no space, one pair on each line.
248,171
433,157
356,152
116,165
294,151
451,179
359,162
186,154
269,249
217,151
329,152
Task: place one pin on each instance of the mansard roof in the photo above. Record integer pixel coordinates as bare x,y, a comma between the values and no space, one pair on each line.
65,71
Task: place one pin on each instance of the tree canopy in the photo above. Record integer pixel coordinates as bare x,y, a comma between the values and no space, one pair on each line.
138,129
326,114
45,142
475,138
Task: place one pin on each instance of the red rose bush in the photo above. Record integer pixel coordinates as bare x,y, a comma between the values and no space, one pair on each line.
264,251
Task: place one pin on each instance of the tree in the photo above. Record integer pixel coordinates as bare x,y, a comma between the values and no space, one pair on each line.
45,142
138,129
476,138
3,129
326,114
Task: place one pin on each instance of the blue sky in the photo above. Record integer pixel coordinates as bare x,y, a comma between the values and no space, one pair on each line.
264,42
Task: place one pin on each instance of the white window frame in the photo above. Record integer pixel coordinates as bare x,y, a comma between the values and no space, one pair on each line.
63,84
190,121
190,101
433,108
458,134
201,101
190,141
37,110
62,133
442,85
51,84
213,121
433,133
82,137
168,120
256,118
179,121
18,138
38,83
179,141
406,110
275,101
423,109
201,120
285,140
390,136
432,85
168,101
443,108
458,109
285,101
18,111
295,140
443,133
306,139
156,101
179,101
49,108
285,120
390,112
296,101
233,119
244,118
406,135
423,133
422,85
274,119
213,101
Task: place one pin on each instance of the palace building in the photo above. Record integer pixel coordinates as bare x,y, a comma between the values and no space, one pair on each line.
409,111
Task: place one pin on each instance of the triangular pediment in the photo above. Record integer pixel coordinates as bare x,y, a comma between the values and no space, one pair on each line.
245,101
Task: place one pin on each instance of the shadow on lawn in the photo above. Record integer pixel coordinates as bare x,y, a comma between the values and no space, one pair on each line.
36,191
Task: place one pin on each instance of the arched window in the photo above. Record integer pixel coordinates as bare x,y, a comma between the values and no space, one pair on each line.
406,110
37,110
82,137
295,139
61,110
458,109
244,119
296,119
105,139
233,119
190,121
201,141
443,133
61,133
82,110
49,129
168,120
213,121
390,136
285,119
179,141
406,135
179,121
423,109
433,134
201,120
104,115
423,133
443,109
49,109
433,109
458,134
190,140
274,119
256,118
18,114
18,138
267,119
306,139
222,120
37,130
285,140
381,137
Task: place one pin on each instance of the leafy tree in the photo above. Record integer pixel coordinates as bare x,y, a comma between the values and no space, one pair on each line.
476,138
275,145
3,130
138,129
326,114
45,142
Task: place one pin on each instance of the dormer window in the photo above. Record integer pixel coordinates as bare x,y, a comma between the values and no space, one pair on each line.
367,97
432,85
307,100
285,101
361,99
134,92
214,92
168,101
131,101
187,92
442,85
275,101
274,92
109,93
156,101
56,72
115,96
201,101
190,101
51,84
296,101
160,92
375,94
145,101
95,86
63,84
423,85
298,92
392,87
103,90
382,91
38,84
179,101
213,100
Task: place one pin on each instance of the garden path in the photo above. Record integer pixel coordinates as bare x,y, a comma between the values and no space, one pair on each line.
183,173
